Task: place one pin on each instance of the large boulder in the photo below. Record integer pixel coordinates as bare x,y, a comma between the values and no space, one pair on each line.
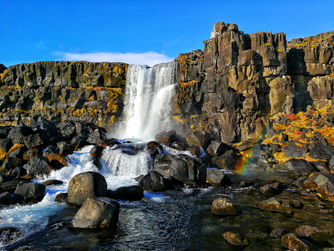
85,185
153,181
180,167
31,192
216,148
98,212
217,178
127,193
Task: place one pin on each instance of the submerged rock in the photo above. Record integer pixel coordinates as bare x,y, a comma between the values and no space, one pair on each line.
291,241
274,205
98,212
314,233
127,193
221,207
86,185
235,239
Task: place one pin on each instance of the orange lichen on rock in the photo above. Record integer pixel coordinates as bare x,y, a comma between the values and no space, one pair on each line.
14,147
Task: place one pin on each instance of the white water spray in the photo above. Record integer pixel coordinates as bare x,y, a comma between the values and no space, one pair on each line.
148,101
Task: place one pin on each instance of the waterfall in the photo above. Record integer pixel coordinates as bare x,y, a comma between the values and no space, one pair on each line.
148,95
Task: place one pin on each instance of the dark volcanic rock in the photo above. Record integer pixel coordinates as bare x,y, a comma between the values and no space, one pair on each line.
127,193
181,167
153,181
98,212
61,198
31,192
38,166
217,178
86,185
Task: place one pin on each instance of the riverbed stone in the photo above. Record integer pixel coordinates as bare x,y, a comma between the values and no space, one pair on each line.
291,241
100,212
275,205
86,185
235,239
222,207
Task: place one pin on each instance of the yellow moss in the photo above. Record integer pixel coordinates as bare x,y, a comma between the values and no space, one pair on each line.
60,98
3,75
2,154
14,147
178,119
91,98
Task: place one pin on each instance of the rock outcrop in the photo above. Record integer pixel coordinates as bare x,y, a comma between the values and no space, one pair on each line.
229,91
62,91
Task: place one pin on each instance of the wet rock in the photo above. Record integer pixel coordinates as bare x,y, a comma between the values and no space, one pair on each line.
291,241
217,178
97,137
64,148
222,207
274,205
216,148
235,239
181,167
52,182
127,193
271,189
227,160
31,192
323,183
5,145
168,137
314,233
9,186
86,185
9,235
96,152
17,134
98,212
38,166
61,197
6,198
153,181
78,142
153,148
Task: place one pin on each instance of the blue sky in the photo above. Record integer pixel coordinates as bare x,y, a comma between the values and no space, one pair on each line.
141,31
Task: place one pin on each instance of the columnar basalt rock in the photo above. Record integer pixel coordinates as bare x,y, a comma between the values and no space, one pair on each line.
62,91
229,91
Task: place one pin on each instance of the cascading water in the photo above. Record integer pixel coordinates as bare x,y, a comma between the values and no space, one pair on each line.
147,101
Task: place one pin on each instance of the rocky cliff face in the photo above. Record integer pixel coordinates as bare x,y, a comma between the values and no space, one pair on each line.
62,91
231,89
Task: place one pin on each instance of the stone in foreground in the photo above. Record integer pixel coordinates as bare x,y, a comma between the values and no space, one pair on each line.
85,185
95,213
291,241
323,183
235,239
221,207
127,193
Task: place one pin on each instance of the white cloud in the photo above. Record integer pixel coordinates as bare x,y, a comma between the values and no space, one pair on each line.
147,58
